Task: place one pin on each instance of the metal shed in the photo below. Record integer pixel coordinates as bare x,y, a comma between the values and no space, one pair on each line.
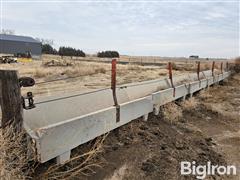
12,44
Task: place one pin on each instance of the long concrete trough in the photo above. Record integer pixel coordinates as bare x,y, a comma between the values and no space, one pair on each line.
59,124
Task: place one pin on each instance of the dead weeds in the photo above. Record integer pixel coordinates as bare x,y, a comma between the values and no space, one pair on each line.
16,161
80,164
171,112
190,103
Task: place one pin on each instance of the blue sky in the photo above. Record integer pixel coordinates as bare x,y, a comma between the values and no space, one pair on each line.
156,28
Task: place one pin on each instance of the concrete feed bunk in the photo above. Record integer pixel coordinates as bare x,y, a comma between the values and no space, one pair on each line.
59,125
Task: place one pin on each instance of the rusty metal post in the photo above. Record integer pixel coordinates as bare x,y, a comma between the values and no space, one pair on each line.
113,80
198,73
198,70
113,87
213,64
11,100
227,66
221,67
171,77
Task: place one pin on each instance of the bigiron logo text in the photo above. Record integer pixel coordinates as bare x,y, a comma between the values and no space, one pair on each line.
201,171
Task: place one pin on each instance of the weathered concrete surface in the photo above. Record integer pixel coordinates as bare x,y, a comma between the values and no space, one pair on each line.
210,81
57,111
181,91
163,97
57,126
75,105
204,83
54,140
194,87
135,109
63,157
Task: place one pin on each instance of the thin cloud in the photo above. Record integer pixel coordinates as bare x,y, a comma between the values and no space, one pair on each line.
139,28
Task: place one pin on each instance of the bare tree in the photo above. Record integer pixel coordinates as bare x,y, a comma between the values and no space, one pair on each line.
7,31
46,41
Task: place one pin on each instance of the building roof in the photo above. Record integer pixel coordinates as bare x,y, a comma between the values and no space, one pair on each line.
8,37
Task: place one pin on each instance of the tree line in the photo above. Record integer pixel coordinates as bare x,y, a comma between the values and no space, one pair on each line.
109,54
69,51
62,51
48,49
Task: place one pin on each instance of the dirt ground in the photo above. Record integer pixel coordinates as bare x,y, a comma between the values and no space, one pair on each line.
206,128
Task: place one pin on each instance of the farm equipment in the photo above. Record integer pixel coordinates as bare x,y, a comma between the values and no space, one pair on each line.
8,59
24,57
19,57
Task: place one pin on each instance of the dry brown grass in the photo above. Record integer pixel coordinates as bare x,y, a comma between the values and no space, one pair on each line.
55,63
222,109
80,164
41,72
100,70
206,66
191,103
172,112
15,159
237,65
92,75
237,60
133,67
174,66
80,69
163,72
205,94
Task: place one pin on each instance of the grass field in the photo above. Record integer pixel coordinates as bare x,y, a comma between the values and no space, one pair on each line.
93,75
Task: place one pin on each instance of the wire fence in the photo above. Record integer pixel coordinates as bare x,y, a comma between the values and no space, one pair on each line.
71,96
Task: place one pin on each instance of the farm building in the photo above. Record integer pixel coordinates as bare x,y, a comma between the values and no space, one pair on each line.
193,57
12,44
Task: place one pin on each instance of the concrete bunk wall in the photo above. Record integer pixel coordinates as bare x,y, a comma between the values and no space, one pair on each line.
63,109
73,106
59,126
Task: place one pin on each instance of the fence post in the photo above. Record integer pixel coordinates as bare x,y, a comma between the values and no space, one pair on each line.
170,77
198,73
221,67
113,87
198,70
10,100
213,64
